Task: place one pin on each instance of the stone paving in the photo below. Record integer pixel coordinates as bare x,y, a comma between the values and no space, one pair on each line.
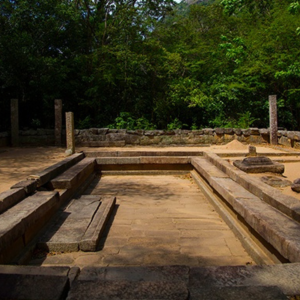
158,220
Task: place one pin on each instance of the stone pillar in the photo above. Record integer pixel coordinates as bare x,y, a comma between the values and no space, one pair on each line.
14,117
273,119
70,133
58,121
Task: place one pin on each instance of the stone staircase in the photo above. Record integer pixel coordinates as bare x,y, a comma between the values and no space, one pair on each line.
273,216
29,205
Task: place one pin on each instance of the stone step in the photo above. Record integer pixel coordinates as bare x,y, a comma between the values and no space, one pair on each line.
53,171
274,282
11,197
74,176
82,222
27,215
26,282
94,231
286,204
168,282
274,227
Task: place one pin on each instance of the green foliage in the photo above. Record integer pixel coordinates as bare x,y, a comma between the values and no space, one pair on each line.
169,65
175,124
127,121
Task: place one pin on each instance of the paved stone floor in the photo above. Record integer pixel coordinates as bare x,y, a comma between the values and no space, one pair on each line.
159,220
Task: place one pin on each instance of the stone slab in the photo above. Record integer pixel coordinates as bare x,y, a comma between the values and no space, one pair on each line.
11,197
286,204
207,169
70,225
29,186
275,168
34,270
20,287
15,221
92,235
164,160
120,290
56,169
75,175
237,292
118,160
284,276
150,273
276,228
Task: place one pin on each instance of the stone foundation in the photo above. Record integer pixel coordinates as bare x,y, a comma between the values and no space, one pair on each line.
104,137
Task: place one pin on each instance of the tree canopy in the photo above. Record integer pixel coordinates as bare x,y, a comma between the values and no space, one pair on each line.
151,63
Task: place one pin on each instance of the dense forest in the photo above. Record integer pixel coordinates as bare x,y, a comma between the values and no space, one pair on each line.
150,63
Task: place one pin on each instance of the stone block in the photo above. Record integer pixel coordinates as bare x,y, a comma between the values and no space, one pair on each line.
11,197
285,276
237,292
132,139
219,131
144,273
128,290
29,186
208,131
118,160
53,171
92,235
229,131
75,175
259,164
115,137
246,132
15,221
164,160
19,287
237,131
102,131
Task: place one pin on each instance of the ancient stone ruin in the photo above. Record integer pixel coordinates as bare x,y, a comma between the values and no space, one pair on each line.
259,164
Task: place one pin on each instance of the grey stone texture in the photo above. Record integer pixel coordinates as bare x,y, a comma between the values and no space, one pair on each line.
26,282
14,109
70,133
11,197
79,226
53,171
21,222
274,227
275,181
29,186
101,137
75,175
259,164
273,119
58,122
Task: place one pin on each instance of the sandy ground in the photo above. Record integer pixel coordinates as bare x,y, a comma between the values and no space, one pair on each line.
17,164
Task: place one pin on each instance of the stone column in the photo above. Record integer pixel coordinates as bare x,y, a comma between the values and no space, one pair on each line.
70,133
58,121
273,119
14,117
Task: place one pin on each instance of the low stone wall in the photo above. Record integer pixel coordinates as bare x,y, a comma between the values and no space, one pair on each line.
31,137
104,137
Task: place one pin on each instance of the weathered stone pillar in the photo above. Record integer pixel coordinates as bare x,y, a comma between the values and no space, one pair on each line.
58,121
14,118
273,119
70,133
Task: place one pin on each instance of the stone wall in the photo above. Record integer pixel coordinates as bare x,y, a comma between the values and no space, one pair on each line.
104,137
30,137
